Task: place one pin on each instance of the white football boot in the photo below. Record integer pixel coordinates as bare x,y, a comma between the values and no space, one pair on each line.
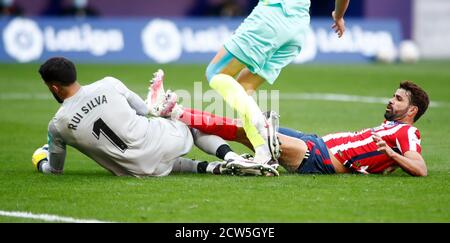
158,102
273,122
249,167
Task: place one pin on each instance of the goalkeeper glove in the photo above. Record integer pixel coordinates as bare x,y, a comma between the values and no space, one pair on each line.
40,155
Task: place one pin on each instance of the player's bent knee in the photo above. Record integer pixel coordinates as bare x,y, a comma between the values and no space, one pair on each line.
217,66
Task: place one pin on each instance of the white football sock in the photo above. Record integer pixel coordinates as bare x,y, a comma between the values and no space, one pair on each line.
177,112
232,155
185,165
207,143
262,154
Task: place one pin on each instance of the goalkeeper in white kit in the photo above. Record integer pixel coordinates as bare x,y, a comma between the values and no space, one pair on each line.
107,122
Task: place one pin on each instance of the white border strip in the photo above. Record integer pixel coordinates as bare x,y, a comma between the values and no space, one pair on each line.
49,218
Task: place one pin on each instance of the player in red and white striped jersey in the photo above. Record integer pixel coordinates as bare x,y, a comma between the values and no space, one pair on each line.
359,151
395,143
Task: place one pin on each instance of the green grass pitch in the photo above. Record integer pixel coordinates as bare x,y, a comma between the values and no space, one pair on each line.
86,191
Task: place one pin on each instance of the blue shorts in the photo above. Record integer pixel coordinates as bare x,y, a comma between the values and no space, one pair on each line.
319,161
271,37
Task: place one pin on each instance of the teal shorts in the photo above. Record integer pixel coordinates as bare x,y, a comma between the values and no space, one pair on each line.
271,37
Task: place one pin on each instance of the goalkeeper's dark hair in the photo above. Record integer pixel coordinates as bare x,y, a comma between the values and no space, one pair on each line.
58,70
418,97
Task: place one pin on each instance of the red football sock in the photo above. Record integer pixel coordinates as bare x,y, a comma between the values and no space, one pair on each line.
208,123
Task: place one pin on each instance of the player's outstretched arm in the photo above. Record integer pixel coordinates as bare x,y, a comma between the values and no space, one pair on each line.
411,162
50,158
41,160
338,16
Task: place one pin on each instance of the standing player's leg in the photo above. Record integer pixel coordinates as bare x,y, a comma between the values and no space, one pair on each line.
248,48
220,74
266,30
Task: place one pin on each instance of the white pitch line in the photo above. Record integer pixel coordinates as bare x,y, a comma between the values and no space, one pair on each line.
25,96
47,217
344,98
334,97
283,96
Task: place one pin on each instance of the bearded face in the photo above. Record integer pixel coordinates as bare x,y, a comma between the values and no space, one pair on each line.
393,114
398,106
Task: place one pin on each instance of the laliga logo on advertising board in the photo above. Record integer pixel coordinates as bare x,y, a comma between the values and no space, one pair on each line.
83,38
356,40
164,42
25,41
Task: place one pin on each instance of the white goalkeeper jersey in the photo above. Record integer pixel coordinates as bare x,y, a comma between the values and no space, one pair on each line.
106,121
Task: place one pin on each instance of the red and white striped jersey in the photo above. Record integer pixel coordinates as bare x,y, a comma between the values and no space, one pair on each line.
358,151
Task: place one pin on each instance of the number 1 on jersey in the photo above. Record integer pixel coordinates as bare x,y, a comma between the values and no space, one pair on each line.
101,127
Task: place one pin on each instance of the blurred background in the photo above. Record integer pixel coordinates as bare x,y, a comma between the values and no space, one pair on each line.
423,24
